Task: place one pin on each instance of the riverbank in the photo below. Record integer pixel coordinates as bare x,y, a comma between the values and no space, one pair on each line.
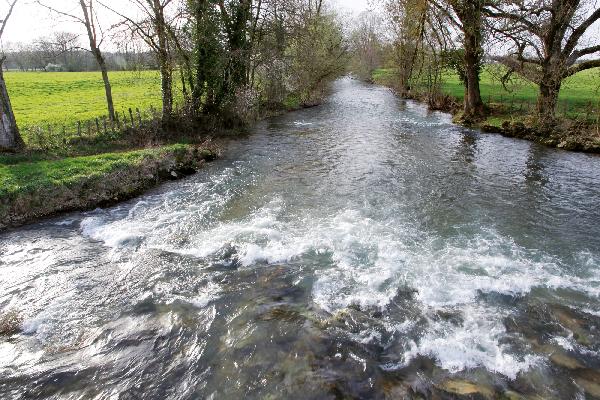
31,189
93,172
509,114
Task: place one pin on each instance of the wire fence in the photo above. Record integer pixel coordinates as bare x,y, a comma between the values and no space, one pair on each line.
584,111
99,129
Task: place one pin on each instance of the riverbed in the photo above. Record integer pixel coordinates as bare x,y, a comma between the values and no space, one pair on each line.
366,248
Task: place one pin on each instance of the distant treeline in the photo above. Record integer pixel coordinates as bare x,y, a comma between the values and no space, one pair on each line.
62,53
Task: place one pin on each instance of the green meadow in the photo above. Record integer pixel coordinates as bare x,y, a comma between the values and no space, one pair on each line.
42,99
63,98
578,93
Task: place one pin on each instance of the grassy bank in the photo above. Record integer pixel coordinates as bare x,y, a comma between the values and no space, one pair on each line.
579,105
578,92
33,187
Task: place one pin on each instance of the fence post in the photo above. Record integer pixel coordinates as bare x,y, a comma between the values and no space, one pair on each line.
97,127
598,119
131,116
79,128
139,115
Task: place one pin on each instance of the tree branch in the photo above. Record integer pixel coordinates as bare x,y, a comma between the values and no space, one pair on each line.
579,31
10,11
63,13
498,13
582,67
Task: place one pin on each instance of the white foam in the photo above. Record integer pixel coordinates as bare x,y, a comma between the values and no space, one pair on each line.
471,344
368,262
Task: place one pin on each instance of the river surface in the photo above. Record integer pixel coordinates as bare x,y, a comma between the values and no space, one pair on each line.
366,248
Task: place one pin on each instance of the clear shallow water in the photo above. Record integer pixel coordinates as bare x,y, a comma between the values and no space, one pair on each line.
366,248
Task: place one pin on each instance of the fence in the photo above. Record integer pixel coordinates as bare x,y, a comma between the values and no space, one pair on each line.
585,111
51,136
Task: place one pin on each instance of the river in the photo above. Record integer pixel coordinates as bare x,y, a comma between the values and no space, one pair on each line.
366,248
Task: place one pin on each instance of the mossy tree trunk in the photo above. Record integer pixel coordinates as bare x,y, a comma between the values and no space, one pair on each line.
164,58
473,104
548,100
469,13
10,139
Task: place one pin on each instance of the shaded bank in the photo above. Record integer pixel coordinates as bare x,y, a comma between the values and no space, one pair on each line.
34,190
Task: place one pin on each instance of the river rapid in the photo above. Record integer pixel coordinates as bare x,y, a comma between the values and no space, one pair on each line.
366,248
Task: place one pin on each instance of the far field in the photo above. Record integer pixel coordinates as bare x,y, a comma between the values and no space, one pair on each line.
63,98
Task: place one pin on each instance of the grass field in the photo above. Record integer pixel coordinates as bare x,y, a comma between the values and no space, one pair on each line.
577,93
63,98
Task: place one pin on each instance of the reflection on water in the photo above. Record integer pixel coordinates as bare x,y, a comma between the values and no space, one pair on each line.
363,249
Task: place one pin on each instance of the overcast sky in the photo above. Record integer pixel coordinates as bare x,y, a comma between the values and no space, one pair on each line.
30,21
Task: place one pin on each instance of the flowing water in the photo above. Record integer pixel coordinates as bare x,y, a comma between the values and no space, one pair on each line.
366,248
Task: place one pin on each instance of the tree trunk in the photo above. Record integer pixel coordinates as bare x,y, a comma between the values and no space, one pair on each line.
9,132
547,101
88,21
473,103
471,19
166,73
166,81
107,87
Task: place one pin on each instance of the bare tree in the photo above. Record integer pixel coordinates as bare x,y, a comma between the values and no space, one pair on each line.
89,19
59,47
154,28
547,43
9,131
412,23
367,44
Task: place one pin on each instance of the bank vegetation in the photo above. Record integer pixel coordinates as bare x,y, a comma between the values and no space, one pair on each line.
541,42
